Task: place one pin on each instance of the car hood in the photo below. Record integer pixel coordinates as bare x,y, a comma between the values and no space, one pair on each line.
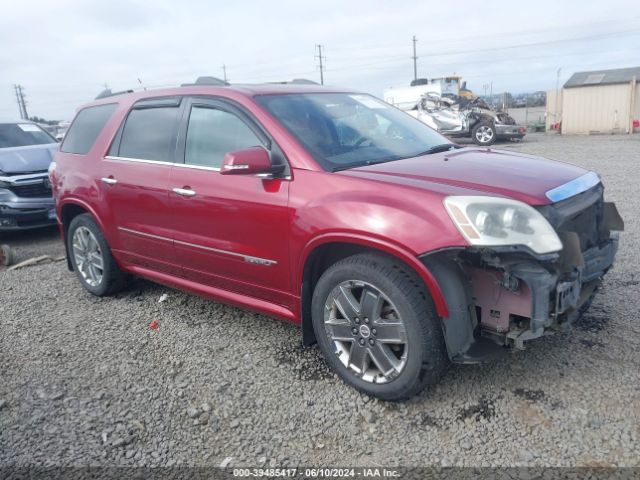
477,171
33,158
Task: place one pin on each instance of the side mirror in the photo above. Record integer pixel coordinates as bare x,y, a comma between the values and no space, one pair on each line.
247,161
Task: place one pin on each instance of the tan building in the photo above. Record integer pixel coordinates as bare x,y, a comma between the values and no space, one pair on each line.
602,101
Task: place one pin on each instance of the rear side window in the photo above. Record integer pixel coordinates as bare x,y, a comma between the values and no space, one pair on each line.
150,134
86,127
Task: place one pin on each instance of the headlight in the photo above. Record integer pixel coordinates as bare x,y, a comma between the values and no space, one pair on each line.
493,222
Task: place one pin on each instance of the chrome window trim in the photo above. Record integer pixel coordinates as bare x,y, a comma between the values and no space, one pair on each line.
158,162
246,258
137,160
267,176
573,187
197,167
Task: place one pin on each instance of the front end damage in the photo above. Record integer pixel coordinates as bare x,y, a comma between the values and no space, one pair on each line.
505,296
457,116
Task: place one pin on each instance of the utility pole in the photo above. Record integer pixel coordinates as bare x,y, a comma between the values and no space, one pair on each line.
555,114
415,59
320,65
224,72
22,104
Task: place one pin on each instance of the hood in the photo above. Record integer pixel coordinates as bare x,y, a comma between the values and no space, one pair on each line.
33,158
515,175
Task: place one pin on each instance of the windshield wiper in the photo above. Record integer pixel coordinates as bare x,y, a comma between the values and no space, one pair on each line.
365,164
436,149
445,147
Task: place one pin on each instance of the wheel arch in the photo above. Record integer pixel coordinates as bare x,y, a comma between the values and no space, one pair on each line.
326,250
69,210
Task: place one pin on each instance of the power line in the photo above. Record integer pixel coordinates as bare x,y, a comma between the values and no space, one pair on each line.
319,57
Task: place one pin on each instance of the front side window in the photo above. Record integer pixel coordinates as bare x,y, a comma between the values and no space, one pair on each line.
343,130
212,133
86,127
150,134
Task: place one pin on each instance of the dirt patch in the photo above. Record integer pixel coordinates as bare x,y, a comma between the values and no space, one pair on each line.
428,421
591,343
306,363
485,408
533,396
592,322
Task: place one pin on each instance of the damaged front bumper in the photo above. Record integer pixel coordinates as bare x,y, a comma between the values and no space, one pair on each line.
518,299
503,297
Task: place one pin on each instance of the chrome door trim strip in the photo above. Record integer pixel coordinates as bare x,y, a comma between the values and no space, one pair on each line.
142,234
158,162
267,176
573,187
138,160
246,258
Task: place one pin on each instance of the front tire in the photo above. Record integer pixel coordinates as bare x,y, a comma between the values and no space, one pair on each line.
91,258
484,134
376,326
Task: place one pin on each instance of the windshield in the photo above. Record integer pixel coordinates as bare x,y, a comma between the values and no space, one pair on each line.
343,130
22,135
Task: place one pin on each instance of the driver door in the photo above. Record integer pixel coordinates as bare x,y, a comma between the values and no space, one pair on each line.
230,231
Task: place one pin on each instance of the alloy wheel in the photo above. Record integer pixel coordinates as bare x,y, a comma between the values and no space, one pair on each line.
368,335
484,134
88,256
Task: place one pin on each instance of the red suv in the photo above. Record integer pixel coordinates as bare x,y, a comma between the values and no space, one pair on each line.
396,250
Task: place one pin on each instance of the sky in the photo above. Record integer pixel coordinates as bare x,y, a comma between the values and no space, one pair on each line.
63,52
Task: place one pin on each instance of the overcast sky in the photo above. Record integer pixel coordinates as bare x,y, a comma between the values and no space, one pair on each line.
64,51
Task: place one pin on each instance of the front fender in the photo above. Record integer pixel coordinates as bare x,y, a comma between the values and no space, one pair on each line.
397,251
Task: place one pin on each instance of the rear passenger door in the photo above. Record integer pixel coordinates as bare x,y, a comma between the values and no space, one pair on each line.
135,178
231,231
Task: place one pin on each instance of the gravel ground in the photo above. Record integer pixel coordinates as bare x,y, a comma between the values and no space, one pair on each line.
85,380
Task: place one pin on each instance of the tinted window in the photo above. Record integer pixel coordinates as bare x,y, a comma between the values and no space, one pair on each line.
212,133
150,134
22,135
86,127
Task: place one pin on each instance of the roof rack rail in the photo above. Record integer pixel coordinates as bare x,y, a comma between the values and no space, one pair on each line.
207,81
296,81
108,93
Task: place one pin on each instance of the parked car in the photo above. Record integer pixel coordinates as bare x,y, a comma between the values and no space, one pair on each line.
26,201
396,250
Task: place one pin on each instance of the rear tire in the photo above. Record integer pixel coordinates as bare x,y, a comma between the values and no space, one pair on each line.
91,258
405,350
484,134
6,255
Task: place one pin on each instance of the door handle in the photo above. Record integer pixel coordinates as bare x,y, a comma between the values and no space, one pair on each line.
185,192
109,180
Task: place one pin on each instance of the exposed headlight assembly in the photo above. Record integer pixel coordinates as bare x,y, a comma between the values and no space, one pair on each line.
494,222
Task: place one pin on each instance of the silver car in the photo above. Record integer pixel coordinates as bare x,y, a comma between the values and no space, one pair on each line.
26,150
